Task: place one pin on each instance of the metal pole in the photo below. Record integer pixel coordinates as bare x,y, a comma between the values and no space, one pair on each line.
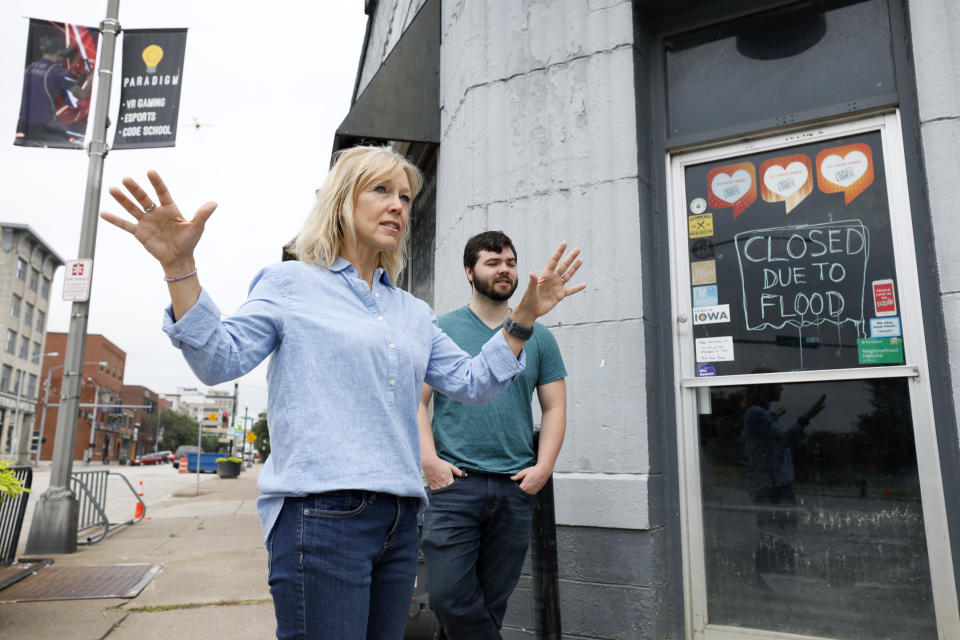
43,414
233,419
54,526
243,443
93,422
199,451
18,430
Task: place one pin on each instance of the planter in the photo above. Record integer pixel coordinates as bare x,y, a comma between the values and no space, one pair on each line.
229,469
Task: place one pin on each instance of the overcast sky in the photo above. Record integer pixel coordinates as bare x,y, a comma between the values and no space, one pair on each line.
268,83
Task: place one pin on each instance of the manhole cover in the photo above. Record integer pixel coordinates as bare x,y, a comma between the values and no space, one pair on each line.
82,582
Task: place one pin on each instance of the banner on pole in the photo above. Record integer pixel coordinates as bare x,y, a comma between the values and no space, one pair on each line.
57,82
150,88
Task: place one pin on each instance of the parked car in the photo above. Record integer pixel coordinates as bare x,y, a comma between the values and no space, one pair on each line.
157,457
182,451
168,456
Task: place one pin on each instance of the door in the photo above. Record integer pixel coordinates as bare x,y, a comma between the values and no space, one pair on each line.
813,504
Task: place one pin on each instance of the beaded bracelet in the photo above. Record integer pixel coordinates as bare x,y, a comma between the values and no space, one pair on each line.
183,277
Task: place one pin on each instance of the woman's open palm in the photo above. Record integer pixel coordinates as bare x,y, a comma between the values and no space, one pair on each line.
160,228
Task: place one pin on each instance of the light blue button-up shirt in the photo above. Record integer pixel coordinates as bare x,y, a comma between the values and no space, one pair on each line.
347,367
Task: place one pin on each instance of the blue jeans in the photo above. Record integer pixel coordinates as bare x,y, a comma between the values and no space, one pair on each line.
475,536
343,565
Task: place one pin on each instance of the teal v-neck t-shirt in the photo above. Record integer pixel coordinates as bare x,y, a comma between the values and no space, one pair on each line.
496,437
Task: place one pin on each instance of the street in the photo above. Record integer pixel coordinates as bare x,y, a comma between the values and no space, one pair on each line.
159,484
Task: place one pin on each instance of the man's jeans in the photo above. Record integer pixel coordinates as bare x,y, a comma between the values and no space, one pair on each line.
343,565
475,536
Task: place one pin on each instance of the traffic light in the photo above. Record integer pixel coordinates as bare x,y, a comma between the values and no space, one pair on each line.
224,420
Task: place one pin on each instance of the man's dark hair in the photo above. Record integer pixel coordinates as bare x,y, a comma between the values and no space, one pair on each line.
495,241
54,45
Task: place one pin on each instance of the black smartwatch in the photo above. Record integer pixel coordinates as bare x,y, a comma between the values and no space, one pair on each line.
517,330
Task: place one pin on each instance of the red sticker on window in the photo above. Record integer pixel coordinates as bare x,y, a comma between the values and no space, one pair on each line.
732,185
884,300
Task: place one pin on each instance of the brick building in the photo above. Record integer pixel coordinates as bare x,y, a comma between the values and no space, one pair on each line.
105,431
145,405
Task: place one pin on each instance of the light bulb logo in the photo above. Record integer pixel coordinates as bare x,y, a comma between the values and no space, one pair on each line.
152,56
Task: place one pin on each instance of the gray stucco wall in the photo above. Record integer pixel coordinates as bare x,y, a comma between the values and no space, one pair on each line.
935,34
538,138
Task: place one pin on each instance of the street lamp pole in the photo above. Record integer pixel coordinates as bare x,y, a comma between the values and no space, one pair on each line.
46,398
43,413
93,422
243,443
54,525
16,419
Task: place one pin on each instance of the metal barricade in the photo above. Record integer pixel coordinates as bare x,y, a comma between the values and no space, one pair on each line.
11,517
90,488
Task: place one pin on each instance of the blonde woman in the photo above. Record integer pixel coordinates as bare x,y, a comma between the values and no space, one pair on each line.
349,355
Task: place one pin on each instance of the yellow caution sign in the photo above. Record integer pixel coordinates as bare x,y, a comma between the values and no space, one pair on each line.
212,417
251,437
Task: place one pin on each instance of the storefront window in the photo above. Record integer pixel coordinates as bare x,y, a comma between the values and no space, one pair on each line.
791,260
812,518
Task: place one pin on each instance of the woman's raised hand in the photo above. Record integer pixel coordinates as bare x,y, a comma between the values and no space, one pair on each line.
164,233
546,290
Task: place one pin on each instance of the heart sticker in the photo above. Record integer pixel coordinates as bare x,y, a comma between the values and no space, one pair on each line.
732,185
787,179
847,169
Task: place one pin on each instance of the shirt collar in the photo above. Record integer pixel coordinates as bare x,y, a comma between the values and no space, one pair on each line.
381,274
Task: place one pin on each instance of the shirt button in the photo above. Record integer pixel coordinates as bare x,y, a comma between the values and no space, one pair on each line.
379,317
393,346
393,382
376,295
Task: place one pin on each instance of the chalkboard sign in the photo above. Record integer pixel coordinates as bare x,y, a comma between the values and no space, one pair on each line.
791,260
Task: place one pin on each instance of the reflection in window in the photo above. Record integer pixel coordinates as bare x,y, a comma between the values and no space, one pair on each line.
812,518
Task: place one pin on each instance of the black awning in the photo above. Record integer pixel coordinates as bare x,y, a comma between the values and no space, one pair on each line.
402,100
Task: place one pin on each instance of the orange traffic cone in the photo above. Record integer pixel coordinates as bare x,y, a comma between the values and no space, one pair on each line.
138,513
183,464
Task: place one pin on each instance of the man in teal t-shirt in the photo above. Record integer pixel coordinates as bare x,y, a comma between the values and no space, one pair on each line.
479,462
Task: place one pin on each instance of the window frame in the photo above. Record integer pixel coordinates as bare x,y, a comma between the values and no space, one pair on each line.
915,370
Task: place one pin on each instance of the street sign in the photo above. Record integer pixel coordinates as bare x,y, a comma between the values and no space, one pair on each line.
251,437
76,280
212,416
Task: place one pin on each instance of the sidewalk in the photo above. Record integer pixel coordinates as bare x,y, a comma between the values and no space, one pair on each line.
213,582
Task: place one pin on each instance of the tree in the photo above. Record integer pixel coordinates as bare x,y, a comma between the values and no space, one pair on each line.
262,443
177,428
148,426
210,443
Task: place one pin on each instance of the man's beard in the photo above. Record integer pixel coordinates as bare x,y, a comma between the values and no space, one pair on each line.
487,288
